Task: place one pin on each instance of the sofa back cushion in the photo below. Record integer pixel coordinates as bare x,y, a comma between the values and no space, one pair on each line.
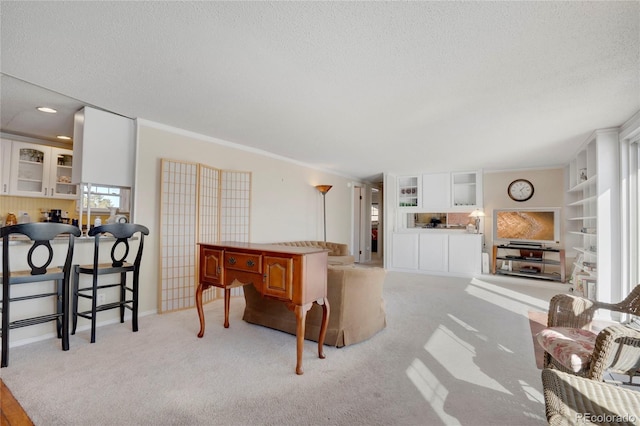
335,249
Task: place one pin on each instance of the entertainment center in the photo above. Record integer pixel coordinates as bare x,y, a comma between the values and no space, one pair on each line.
524,239
528,260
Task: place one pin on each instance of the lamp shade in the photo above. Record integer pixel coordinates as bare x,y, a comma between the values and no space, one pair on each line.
476,215
324,188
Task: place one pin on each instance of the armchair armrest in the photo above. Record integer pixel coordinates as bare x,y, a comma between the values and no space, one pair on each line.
617,348
566,310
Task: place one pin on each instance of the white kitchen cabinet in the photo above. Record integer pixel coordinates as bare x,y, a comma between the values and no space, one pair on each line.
434,252
465,254
436,192
409,191
405,250
103,148
41,171
438,252
445,192
466,190
5,164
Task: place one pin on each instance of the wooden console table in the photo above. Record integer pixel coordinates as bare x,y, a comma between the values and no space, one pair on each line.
297,276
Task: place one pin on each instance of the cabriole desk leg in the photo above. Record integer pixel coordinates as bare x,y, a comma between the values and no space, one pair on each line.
199,308
301,316
324,302
227,304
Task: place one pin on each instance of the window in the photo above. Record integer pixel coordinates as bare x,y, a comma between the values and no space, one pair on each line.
630,205
104,198
374,213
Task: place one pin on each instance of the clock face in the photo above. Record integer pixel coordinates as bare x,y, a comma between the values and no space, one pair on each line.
520,190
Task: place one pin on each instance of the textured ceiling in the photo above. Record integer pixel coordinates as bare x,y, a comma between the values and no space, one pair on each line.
360,88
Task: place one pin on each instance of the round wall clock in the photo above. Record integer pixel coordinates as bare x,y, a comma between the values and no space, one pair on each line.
520,190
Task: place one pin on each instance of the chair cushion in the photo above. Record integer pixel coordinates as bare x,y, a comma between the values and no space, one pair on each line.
571,347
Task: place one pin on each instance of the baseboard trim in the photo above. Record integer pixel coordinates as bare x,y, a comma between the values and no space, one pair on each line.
53,335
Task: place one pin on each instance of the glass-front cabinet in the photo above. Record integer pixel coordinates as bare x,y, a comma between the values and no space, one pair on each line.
41,171
61,171
464,189
446,191
409,191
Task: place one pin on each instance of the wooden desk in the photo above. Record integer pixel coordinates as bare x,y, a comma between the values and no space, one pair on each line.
297,276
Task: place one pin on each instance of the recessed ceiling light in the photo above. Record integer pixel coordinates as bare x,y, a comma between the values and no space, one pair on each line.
66,138
47,109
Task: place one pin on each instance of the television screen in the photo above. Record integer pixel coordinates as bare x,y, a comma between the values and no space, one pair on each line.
519,225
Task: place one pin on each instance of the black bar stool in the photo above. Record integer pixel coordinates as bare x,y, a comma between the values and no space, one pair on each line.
40,234
123,234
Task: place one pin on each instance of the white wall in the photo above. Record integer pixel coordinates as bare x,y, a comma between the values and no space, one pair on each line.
548,192
285,205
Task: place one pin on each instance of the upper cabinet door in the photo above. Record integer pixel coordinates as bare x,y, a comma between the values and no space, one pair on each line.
61,166
5,164
466,190
409,191
436,195
30,170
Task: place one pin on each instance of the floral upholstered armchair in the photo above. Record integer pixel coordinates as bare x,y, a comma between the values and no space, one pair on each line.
571,346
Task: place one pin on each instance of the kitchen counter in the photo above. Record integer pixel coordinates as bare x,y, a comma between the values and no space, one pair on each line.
23,240
435,230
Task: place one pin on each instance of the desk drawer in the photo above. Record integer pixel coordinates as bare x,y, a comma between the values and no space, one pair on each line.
243,262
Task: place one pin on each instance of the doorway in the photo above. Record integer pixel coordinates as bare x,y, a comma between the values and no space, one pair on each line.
367,224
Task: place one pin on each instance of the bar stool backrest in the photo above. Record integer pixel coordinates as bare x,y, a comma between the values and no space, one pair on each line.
122,232
41,233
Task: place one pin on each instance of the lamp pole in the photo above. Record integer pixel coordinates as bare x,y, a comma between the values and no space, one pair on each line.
323,190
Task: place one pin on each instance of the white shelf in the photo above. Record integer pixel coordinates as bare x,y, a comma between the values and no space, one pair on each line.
584,184
584,201
583,218
585,251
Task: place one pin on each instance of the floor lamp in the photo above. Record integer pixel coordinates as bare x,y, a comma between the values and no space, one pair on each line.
323,190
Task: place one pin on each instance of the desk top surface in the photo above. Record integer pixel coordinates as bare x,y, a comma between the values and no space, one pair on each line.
265,247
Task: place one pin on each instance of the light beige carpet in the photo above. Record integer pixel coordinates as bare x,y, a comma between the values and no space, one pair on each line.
454,352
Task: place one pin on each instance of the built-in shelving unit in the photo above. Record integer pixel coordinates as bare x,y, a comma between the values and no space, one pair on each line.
591,212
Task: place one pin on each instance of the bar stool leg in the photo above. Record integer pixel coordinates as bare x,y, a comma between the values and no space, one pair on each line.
5,325
94,300
123,294
65,313
76,280
59,306
134,318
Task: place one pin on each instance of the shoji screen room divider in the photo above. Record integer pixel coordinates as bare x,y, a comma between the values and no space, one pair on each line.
198,204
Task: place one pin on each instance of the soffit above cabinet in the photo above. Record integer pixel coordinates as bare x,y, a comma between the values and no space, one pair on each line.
103,148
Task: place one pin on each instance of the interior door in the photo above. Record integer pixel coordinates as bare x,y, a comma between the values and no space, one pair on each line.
357,223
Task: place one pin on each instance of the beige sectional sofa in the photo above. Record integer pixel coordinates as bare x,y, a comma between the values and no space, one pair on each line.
338,252
357,309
